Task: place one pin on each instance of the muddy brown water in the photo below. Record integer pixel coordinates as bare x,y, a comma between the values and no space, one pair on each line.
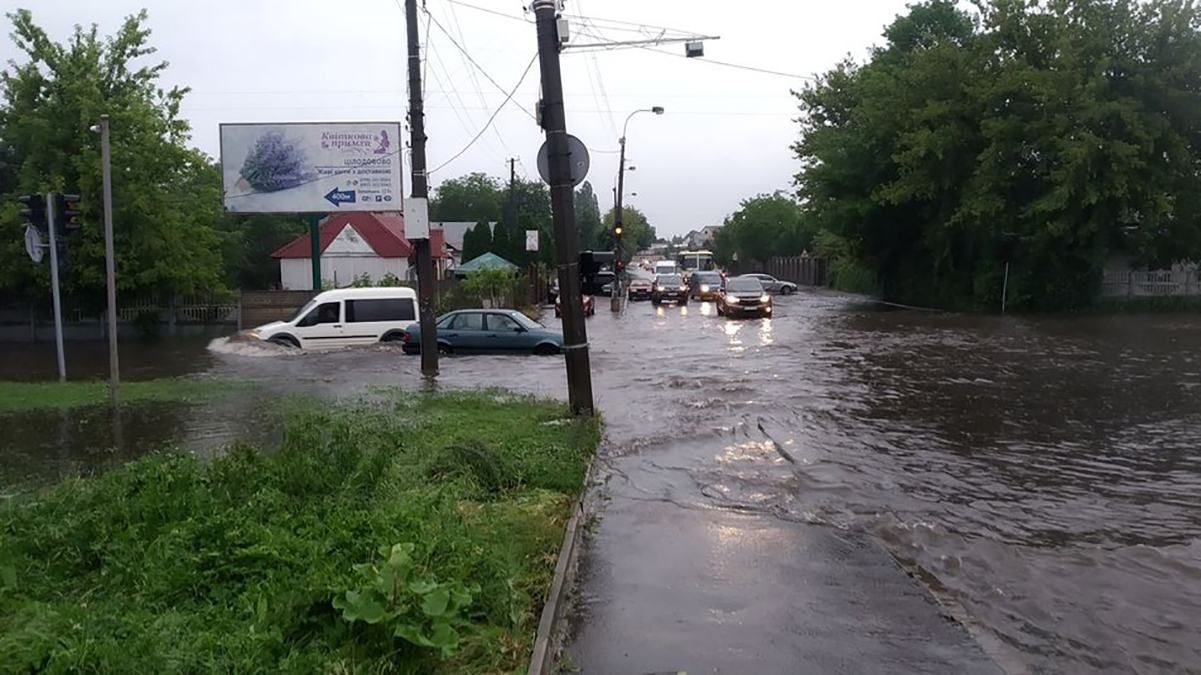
1045,473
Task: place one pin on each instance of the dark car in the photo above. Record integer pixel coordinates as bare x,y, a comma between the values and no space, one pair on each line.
745,296
669,287
706,285
493,331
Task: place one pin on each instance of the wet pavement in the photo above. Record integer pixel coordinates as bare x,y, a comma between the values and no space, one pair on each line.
1043,474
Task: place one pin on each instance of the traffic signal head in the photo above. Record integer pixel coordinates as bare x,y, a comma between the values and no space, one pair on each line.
66,212
33,210
620,265
617,231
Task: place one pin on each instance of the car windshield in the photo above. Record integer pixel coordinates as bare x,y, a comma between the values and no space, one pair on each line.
303,310
525,320
670,279
744,285
707,277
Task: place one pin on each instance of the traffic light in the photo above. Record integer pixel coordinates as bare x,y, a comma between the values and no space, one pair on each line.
33,210
620,265
66,213
617,231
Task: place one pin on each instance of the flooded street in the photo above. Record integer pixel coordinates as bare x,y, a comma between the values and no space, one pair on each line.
1043,473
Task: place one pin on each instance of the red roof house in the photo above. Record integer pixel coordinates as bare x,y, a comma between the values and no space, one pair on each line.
352,245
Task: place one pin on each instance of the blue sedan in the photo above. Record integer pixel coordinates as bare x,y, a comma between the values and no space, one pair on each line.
492,331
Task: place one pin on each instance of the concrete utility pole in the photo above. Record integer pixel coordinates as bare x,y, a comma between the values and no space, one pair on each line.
562,200
425,261
110,263
52,225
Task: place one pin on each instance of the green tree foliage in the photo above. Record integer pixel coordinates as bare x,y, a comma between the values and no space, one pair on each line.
1051,134
166,196
764,226
531,211
474,197
637,233
249,241
587,216
477,241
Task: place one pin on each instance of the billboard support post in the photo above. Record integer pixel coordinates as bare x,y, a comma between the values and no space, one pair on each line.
314,221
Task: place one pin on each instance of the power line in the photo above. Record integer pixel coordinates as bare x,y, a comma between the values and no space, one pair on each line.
471,73
490,11
739,66
478,66
508,97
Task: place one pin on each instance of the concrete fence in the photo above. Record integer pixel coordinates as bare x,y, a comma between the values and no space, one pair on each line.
803,270
1152,284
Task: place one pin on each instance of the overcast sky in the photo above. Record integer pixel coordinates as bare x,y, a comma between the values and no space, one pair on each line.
725,135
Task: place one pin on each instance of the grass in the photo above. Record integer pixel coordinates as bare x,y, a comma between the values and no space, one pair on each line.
373,529
15,396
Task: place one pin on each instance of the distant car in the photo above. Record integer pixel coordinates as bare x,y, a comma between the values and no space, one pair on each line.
589,306
669,287
490,331
774,285
595,284
641,288
666,267
345,317
706,285
745,296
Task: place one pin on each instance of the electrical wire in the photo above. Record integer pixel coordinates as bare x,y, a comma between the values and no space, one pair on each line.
477,66
490,11
508,97
475,81
739,66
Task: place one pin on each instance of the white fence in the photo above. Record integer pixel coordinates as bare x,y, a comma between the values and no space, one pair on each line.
1153,284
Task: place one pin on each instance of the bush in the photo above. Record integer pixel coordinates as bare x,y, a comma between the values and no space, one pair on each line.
408,534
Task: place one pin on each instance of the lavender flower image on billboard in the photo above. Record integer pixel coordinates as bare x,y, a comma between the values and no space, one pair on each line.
311,167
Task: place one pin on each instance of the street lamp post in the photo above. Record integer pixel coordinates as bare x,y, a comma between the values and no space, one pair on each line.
110,265
615,300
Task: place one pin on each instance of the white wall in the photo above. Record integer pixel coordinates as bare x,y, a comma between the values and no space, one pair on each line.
340,270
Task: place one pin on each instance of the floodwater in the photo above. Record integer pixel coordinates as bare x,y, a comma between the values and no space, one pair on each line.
1043,473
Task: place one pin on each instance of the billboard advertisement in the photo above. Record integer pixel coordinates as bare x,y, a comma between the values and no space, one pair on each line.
311,167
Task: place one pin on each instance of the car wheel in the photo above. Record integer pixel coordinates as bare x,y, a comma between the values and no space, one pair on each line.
546,350
787,290
444,349
285,341
393,337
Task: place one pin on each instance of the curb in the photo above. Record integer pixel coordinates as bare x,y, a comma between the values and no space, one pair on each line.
547,640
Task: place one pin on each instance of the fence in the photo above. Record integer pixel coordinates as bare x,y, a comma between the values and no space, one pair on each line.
803,270
1152,284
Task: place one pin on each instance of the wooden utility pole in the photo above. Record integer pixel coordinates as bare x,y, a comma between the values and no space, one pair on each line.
562,200
425,261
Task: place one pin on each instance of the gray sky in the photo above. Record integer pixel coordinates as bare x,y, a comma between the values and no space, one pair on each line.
725,136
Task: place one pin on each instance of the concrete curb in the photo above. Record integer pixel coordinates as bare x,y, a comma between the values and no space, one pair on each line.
547,642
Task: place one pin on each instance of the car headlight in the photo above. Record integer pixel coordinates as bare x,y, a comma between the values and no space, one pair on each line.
765,298
661,289
704,288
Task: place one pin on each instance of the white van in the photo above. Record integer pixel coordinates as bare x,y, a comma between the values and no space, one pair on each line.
666,267
345,317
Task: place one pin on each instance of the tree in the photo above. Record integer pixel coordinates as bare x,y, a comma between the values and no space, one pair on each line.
1046,135
477,241
249,241
587,216
472,198
166,196
637,233
764,226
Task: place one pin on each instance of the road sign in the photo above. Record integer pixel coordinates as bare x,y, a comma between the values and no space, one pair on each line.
578,160
531,240
311,167
33,244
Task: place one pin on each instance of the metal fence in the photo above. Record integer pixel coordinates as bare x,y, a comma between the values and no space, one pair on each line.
803,270
1152,284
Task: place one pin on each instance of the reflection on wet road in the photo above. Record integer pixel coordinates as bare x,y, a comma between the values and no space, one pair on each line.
1046,473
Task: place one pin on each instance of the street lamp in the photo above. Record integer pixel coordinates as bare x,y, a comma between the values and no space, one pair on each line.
615,300
110,266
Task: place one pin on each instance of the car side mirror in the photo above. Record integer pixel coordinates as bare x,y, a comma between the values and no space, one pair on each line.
522,329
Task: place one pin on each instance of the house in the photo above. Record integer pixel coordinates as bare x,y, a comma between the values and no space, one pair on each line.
353,245
702,239
454,234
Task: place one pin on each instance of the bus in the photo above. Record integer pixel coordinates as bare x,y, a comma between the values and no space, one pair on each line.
696,261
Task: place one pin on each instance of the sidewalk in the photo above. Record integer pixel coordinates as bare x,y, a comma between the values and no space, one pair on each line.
667,589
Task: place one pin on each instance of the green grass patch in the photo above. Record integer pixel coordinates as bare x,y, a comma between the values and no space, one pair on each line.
61,395
407,534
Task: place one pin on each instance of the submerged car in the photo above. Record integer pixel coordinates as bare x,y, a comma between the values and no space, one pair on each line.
490,331
745,296
774,285
668,288
641,288
589,306
706,285
343,318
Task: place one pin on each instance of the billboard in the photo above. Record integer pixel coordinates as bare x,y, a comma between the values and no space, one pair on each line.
313,167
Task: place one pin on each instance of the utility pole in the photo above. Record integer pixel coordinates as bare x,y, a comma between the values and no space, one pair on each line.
425,261
52,225
511,204
618,229
314,223
110,264
562,199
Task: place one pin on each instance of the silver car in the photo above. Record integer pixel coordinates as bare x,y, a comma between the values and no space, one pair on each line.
774,285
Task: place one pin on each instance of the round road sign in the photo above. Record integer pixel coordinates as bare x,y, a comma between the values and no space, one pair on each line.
578,160
33,244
